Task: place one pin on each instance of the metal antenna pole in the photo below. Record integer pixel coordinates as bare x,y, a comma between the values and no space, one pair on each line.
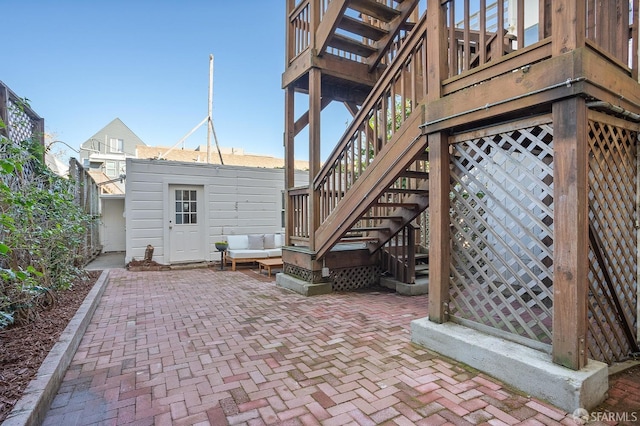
215,138
210,108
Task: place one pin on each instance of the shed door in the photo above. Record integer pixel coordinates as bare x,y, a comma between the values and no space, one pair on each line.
186,224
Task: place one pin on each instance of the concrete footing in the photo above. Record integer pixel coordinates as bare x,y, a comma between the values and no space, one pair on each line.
302,287
416,289
523,368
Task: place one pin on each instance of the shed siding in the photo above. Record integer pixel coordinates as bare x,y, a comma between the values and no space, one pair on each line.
240,200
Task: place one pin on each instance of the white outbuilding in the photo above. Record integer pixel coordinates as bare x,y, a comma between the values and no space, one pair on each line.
183,208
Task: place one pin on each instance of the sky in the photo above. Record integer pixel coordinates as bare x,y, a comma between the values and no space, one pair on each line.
83,63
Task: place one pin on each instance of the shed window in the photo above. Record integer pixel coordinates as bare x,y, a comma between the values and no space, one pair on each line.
186,207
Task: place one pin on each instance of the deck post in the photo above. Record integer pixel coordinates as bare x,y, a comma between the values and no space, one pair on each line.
315,108
314,19
571,233
571,201
289,159
439,222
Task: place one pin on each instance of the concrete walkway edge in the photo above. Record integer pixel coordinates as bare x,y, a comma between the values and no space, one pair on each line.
32,408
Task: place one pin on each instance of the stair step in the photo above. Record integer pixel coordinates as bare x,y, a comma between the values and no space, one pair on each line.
375,9
369,228
338,41
415,174
411,206
408,26
407,191
357,239
422,269
417,256
361,28
395,218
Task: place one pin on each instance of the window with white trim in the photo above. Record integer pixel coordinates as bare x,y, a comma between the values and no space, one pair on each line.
110,169
116,145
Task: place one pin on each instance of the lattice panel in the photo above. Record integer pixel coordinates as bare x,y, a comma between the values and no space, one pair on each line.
612,214
298,272
21,127
349,279
502,231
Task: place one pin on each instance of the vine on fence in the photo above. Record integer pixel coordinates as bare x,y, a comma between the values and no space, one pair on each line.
41,231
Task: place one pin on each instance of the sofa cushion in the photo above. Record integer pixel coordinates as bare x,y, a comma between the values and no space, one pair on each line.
274,252
269,241
256,242
278,240
238,242
247,254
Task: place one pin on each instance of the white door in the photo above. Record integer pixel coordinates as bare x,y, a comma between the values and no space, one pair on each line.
113,225
186,224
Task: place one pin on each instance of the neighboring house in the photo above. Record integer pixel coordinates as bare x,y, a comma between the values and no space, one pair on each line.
104,155
107,150
183,208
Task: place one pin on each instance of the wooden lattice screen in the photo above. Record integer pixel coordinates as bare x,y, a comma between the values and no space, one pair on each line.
502,233
501,216
21,122
612,215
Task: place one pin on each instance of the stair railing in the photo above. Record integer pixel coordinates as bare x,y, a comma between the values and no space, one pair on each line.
398,256
299,205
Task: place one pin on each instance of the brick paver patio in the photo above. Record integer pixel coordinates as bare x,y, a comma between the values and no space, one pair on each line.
205,347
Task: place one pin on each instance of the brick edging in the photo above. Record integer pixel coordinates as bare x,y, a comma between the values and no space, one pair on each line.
32,407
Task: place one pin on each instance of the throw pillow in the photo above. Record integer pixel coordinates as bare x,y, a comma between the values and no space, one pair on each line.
256,242
269,241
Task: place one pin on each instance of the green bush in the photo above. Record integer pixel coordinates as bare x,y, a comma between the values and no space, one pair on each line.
42,231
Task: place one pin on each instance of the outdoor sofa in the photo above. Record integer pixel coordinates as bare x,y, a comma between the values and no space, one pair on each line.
253,247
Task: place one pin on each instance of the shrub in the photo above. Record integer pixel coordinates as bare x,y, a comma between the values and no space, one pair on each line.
41,231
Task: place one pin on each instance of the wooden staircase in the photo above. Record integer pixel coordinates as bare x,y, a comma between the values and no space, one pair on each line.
364,28
370,54
376,180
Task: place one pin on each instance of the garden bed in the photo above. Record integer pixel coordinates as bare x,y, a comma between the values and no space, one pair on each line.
24,348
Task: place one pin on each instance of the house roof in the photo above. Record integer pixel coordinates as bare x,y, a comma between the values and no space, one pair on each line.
115,128
230,157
